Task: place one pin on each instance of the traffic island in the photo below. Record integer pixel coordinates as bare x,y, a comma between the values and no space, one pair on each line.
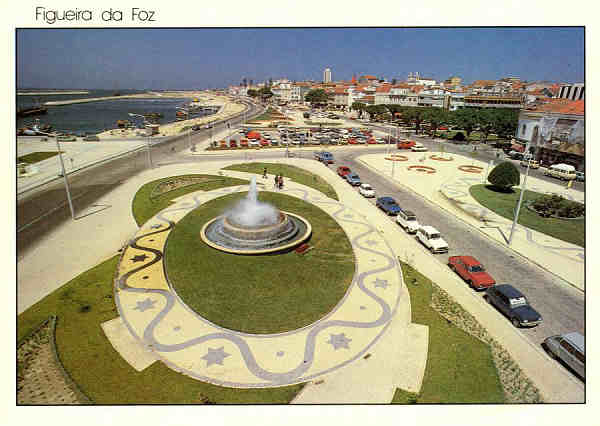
470,169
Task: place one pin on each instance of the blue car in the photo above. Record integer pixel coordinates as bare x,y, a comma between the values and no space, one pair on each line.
388,205
353,179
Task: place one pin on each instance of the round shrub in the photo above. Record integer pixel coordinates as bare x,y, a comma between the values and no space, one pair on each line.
459,137
504,176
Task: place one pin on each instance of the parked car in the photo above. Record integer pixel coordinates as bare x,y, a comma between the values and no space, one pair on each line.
407,220
343,171
561,171
366,190
568,348
580,176
253,143
515,155
472,271
532,164
353,179
388,205
418,148
317,155
327,158
91,138
431,238
405,144
512,303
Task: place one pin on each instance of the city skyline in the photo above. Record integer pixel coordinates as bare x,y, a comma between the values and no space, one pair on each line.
209,58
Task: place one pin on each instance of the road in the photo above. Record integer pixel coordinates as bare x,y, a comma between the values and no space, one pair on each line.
561,305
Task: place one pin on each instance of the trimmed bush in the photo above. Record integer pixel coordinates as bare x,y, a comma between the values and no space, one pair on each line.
556,205
460,136
504,176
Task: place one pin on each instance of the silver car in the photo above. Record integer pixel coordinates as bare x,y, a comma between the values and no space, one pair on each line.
570,349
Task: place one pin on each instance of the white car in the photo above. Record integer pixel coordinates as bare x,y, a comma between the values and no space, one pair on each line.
407,220
254,142
431,238
366,190
418,147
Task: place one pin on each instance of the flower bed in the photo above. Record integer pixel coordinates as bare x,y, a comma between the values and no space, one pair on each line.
397,157
422,169
437,158
470,169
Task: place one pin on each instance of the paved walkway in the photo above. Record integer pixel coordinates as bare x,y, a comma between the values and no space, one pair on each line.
41,272
448,187
191,344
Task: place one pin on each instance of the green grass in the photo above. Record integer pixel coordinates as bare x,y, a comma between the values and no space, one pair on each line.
144,207
35,157
267,115
572,231
99,370
460,368
260,294
297,174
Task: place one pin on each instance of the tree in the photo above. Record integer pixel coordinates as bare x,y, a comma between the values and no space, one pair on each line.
317,96
466,119
252,93
435,116
414,115
504,176
358,106
486,118
265,92
506,122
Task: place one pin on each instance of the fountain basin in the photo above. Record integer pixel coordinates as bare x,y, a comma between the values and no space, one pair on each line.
224,234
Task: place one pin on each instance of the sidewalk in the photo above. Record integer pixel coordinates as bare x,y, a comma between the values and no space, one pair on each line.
448,187
41,272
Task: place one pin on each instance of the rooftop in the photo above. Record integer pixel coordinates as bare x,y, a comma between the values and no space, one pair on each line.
561,106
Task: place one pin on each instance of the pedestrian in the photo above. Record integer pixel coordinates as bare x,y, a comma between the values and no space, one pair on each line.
276,183
265,173
280,182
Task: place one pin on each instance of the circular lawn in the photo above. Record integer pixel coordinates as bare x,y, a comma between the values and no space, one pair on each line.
260,294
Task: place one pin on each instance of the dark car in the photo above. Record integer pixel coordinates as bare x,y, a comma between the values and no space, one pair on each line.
388,205
512,303
353,179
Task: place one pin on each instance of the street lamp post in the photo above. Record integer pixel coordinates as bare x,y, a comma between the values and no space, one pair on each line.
64,174
148,140
518,209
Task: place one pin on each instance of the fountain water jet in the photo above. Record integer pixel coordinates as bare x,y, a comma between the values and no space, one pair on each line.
255,227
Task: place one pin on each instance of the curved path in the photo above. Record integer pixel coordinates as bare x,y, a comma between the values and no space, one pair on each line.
198,348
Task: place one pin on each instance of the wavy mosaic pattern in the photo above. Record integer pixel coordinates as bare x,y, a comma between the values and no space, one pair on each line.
188,343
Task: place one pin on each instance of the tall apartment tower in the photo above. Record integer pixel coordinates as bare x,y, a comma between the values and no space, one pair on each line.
327,76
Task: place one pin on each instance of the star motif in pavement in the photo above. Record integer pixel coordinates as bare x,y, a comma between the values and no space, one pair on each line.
280,353
215,356
339,341
348,216
381,283
362,308
177,328
156,226
144,305
138,258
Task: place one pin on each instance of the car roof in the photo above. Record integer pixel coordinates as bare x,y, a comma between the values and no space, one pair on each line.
509,291
407,212
576,339
469,260
430,229
386,199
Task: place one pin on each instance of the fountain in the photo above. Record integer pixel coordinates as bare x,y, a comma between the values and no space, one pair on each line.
255,227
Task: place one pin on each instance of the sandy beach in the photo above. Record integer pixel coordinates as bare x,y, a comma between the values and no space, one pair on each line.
228,108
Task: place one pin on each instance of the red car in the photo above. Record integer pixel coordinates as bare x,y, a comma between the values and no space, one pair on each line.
371,141
352,141
471,271
264,142
405,144
343,171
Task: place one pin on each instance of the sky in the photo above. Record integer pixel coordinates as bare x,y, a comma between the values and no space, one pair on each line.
182,58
